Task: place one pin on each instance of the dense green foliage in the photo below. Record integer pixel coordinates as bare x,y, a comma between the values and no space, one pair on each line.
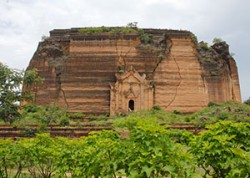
11,93
247,101
47,115
77,115
217,40
232,110
42,116
149,150
31,81
204,45
103,29
162,116
224,150
129,28
145,37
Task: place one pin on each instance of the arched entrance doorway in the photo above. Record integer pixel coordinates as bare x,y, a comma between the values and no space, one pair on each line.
131,92
131,105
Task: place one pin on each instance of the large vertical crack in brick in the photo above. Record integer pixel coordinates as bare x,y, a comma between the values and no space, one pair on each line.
59,86
180,81
122,56
162,51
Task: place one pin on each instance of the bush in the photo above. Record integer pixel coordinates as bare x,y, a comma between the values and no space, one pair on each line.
92,30
45,38
152,153
217,40
178,112
211,104
247,101
64,121
102,117
78,115
102,29
30,108
44,116
146,38
157,108
204,45
149,150
194,38
30,132
132,25
223,116
187,119
223,150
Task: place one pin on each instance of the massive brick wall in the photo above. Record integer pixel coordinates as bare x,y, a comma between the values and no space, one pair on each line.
179,82
79,68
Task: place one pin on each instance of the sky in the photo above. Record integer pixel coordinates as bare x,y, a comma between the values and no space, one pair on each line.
24,22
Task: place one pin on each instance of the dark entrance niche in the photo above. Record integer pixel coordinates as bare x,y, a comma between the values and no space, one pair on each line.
131,105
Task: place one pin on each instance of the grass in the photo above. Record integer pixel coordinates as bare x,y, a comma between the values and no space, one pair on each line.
144,37
231,110
103,29
2,121
162,116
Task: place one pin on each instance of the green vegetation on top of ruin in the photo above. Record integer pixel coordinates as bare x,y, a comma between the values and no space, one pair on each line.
129,28
103,29
145,38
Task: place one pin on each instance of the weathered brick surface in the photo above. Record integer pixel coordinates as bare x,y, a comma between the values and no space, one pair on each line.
79,68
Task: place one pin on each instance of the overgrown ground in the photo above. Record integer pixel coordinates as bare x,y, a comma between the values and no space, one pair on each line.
44,116
150,150
232,110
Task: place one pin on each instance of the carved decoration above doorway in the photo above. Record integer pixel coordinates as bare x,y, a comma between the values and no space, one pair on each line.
130,92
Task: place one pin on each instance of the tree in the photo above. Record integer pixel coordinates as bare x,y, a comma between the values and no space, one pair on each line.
10,90
217,40
247,101
43,154
43,116
31,82
150,152
224,150
5,157
72,157
132,25
10,93
103,155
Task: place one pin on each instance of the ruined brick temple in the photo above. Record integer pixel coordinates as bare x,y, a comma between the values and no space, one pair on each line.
105,72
